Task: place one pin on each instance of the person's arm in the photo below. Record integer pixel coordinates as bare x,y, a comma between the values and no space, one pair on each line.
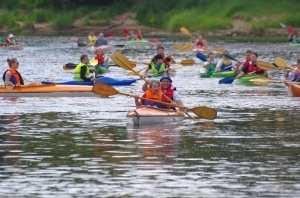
7,77
177,99
240,75
206,64
145,86
218,66
147,70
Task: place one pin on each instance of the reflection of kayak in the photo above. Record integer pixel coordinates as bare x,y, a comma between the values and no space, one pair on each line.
50,90
246,80
137,42
153,115
293,89
295,44
106,80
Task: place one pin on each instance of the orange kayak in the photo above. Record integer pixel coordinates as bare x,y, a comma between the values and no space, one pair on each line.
48,90
293,89
152,115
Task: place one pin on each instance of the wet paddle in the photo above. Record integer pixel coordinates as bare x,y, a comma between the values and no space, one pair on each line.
201,56
265,65
266,81
282,64
106,90
186,32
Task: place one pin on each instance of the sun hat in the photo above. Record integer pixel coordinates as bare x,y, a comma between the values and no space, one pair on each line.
166,77
10,36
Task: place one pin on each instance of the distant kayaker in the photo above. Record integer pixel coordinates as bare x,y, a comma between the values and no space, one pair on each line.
293,74
210,64
157,67
294,37
224,64
139,35
252,68
200,42
82,70
100,40
12,74
10,40
102,61
167,88
154,93
91,38
168,60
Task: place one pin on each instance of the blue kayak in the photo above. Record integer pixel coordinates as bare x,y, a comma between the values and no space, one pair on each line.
105,80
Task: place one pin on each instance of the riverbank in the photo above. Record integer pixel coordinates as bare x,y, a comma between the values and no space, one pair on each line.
116,25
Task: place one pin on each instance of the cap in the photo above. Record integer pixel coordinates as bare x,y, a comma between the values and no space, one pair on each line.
166,77
10,36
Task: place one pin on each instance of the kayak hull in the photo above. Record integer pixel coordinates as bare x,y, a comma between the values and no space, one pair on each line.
294,44
147,115
50,90
13,47
226,74
137,42
293,89
104,80
246,80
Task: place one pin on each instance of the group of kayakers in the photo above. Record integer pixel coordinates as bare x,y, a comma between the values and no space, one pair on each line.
7,39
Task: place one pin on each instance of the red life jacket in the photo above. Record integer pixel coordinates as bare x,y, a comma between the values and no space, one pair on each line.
169,92
252,68
100,59
200,43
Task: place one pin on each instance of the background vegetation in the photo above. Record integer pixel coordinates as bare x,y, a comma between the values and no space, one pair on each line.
168,14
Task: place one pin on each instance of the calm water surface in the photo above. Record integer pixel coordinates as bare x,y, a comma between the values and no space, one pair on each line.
85,147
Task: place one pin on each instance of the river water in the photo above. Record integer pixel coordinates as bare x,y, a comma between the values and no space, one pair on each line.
85,147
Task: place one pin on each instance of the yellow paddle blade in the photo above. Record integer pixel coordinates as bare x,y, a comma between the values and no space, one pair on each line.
9,85
121,60
186,46
186,32
205,112
281,63
265,65
94,62
176,46
104,89
188,62
219,49
261,81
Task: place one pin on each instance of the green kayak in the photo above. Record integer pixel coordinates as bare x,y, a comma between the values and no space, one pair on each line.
137,42
101,70
245,80
207,74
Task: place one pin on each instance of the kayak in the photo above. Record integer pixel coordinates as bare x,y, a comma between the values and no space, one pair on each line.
137,42
105,80
200,49
144,115
13,47
246,80
294,44
101,70
50,90
293,89
225,74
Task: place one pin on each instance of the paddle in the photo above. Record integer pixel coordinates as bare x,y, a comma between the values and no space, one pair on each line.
71,66
281,63
201,56
184,63
106,90
265,65
186,32
267,81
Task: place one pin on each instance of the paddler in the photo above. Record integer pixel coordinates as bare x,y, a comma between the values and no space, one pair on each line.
82,70
157,66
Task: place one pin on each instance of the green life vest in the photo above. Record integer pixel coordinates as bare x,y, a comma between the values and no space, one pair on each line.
161,69
77,70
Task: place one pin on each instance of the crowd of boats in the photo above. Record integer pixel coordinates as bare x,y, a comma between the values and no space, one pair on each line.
161,101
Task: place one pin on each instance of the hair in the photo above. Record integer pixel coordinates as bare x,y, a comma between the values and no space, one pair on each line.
83,56
298,60
201,33
158,56
255,54
248,52
99,49
153,82
210,53
160,47
11,61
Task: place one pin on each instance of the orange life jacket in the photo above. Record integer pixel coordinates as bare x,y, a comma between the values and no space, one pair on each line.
15,76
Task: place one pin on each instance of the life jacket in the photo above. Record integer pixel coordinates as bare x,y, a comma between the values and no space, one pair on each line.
100,59
159,97
226,63
166,60
139,37
15,77
92,39
200,43
76,75
169,92
161,69
252,68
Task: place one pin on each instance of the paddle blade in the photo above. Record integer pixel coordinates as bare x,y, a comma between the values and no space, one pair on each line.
94,62
219,49
9,85
283,26
188,62
261,81
205,112
201,56
69,66
228,80
176,46
281,63
125,31
184,31
121,60
265,65
104,89
290,29
186,46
